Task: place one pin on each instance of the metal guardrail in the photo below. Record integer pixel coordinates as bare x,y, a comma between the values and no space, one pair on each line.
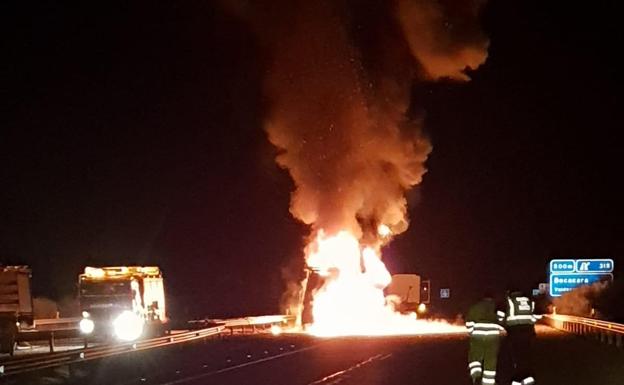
253,323
25,364
607,332
19,365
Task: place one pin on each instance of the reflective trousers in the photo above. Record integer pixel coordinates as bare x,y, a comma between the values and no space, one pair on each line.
482,359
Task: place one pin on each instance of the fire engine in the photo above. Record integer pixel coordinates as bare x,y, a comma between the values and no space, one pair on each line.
125,302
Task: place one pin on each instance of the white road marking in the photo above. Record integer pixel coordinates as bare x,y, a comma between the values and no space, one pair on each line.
230,368
337,377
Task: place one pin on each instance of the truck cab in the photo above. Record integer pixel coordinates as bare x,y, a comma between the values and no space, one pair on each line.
411,292
124,302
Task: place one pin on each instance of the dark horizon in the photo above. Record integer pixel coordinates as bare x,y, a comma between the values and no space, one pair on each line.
134,136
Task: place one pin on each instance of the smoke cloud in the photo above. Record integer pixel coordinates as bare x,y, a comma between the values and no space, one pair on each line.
580,301
338,92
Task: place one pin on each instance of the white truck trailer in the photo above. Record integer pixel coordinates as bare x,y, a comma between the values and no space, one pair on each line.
412,292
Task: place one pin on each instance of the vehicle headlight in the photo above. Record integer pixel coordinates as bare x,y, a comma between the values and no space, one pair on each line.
86,325
422,308
128,326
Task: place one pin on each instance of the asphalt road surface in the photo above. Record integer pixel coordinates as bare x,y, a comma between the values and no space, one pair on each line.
300,360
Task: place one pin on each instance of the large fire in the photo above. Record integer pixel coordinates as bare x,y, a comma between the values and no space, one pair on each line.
351,301
341,114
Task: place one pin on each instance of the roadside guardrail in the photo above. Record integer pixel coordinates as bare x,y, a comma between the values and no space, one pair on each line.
252,324
606,332
24,364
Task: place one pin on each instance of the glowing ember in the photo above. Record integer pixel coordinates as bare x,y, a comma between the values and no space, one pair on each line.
351,301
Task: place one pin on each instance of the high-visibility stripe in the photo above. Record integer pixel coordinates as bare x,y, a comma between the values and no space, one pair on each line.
474,363
512,307
487,326
489,374
522,316
486,333
488,329
474,371
513,318
470,323
528,380
516,383
488,381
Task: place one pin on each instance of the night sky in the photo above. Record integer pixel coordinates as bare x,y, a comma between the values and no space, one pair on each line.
133,134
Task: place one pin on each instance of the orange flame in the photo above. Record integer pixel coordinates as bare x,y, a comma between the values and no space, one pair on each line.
352,301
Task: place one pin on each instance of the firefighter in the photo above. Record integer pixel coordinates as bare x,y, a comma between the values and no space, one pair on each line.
519,322
485,334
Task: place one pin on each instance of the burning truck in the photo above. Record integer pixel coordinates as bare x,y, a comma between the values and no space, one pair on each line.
349,291
124,302
407,293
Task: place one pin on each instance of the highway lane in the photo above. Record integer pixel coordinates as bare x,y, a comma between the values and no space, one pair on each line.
303,360
350,360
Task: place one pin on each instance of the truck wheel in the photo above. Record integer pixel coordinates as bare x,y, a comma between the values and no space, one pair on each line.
160,330
7,344
8,332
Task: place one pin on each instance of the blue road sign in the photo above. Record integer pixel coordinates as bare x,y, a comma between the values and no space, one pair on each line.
594,265
561,283
562,266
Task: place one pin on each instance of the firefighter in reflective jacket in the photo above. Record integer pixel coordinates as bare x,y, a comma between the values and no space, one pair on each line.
519,322
485,334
